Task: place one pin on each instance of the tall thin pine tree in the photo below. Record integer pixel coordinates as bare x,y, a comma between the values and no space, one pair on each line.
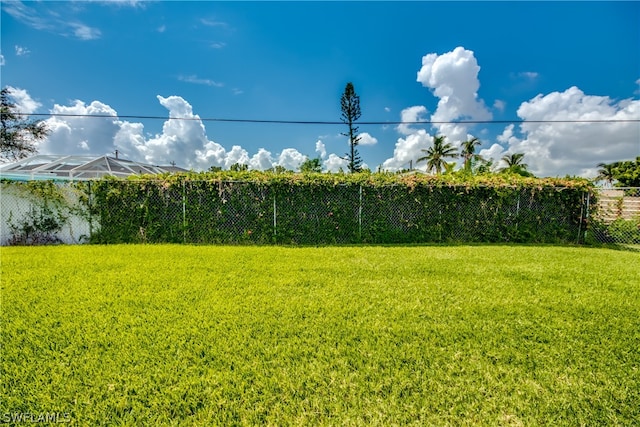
350,104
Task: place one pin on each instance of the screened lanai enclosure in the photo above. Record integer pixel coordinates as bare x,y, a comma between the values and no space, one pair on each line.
73,168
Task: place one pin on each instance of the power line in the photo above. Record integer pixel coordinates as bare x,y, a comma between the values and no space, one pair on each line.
324,122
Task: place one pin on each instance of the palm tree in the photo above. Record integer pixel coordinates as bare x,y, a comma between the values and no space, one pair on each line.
436,154
483,166
449,167
469,152
515,164
607,172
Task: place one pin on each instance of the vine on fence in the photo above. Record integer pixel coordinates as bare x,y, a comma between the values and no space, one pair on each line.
40,212
260,208
45,217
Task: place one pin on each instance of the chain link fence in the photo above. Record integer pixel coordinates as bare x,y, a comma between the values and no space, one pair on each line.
617,217
203,212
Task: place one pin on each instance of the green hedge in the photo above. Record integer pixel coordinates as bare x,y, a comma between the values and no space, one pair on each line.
261,208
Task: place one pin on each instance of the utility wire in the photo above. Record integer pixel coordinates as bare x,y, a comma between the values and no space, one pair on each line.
322,122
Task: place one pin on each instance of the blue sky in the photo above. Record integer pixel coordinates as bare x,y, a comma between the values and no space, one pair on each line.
409,61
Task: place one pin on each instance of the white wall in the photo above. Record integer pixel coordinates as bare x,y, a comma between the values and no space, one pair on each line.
16,205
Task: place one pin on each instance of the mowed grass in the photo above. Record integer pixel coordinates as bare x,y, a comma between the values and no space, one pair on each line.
442,336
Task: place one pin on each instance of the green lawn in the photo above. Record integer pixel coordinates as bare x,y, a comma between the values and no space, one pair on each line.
435,335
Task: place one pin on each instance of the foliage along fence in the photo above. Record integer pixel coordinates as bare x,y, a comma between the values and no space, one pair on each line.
309,209
44,212
246,212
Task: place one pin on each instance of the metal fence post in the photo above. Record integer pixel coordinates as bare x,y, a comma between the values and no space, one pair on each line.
275,228
360,216
184,213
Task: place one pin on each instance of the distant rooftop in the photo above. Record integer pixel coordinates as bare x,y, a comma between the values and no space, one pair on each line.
44,167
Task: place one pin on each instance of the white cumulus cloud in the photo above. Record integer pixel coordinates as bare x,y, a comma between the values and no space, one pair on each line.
262,160
453,78
291,159
237,155
408,150
367,139
573,148
23,101
495,153
184,142
82,134
321,149
335,163
410,115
